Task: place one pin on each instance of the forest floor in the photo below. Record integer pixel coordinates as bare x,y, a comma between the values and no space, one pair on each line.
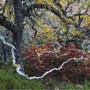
9,79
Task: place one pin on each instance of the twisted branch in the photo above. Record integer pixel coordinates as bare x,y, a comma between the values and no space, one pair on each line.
50,71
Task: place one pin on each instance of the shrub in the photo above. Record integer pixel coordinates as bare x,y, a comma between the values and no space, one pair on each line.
38,60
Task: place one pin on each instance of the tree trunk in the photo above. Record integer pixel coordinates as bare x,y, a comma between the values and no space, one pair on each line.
17,38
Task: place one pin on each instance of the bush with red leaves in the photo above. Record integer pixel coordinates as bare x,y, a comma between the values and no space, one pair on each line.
38,60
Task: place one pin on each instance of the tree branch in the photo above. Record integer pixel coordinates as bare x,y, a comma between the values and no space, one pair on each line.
64,18
50,8
49,71
7,24
6,43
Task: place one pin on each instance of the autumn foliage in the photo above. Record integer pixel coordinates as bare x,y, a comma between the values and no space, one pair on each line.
37,60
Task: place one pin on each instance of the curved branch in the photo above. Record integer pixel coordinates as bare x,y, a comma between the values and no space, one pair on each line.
50,8
7,24
43,6
6,43
63,17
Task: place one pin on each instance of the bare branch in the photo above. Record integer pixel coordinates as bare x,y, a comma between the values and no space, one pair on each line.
7,24
10,45
6,43
50,71
52,9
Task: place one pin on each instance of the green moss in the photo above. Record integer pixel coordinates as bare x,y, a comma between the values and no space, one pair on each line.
9,79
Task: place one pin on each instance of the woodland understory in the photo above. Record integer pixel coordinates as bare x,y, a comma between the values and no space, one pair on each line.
46,39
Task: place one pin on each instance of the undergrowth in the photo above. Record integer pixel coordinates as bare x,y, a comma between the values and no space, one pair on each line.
9,79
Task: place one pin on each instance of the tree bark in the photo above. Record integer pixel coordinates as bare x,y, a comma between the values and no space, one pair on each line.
17,37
